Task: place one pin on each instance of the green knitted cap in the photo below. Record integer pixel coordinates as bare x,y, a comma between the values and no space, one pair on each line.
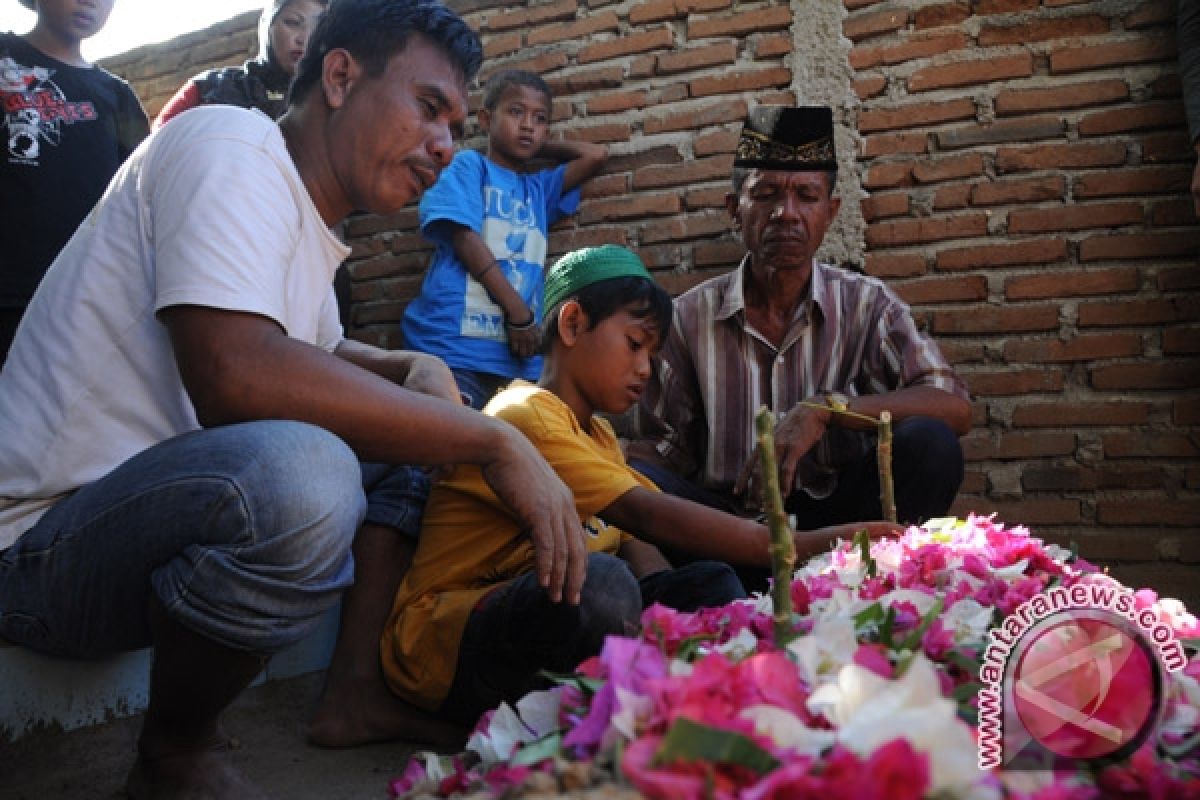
580,268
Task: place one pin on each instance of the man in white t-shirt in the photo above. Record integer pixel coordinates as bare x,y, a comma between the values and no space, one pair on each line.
184,423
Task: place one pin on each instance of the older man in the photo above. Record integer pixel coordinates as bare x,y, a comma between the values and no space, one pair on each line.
803,339
183,421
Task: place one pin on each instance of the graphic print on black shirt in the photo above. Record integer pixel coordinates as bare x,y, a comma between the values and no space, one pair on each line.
35,109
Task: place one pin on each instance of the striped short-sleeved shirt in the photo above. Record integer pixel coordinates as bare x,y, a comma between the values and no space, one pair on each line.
851,335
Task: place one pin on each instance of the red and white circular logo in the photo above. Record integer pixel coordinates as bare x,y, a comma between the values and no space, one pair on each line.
1086,686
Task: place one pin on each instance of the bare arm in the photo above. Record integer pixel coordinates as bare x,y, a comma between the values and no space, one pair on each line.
238,367
419,372
474,254
677,524
643,558
583,159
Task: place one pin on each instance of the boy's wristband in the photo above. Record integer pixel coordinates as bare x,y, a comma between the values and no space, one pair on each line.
524,326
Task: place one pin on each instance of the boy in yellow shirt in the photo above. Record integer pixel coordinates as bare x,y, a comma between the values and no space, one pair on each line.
470,626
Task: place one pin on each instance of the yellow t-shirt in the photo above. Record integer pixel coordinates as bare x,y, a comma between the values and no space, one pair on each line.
470,543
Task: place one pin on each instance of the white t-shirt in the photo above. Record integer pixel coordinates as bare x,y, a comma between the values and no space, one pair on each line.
209,211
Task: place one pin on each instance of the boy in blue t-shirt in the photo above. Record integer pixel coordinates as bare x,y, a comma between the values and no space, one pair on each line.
480,306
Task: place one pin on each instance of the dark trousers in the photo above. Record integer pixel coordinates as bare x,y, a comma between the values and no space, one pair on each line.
515,631
927,469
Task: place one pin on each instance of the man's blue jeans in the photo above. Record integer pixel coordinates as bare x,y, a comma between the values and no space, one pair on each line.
242,531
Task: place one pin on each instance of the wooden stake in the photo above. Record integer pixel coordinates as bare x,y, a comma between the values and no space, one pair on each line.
783,547
883,455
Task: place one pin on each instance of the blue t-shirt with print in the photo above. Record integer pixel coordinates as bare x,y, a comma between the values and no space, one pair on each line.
453,317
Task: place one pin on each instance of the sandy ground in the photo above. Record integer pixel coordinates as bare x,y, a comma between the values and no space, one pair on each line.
268,721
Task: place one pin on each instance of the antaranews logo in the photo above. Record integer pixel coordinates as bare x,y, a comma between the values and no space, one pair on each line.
1073,674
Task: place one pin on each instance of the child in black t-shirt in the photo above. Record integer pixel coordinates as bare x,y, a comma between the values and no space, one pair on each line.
65,127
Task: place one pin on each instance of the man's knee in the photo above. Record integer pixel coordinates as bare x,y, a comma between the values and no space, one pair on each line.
611,600
928,446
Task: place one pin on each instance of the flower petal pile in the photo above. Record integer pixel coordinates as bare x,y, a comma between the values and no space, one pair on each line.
877,698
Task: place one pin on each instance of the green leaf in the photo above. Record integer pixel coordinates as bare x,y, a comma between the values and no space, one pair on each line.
863,542
536,752
872,615
966,691
581,682
692,741
688,647
913,641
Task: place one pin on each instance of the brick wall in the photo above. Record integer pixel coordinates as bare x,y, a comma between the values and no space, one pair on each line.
1017,169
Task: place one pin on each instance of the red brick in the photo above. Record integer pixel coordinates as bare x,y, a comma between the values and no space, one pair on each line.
1032,251
1140,117
887,144
1154,311
367,224
629,162
588,80
958,352
574,29
592,236
987,7
1020,129
629,208
705,198
1137,246
1017,446
1027,511
1136,181
1079,348
889,175
1175,374
688,227
1045,29
641,42
925,291
950,197
676,283
895,265
1074,217
772,45
1185,411
1178,278
1024,190
696,57
1014,382
690,118
854,5
740,81
1160,148
864,25
911,49
1072,284
1138,50
607,132
1150,13
718,141
541,63
996,319
1078,95
1174,512
694,171
917,115
1181,341
611,102
605,186
659,10
1172,213
740,24
941,15
879,206
1060,156
970,73
1060,414
870,86
931,229
1150,445
943,169
501,44
536,15
718,254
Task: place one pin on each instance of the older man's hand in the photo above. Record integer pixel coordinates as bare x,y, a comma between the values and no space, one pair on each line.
795,434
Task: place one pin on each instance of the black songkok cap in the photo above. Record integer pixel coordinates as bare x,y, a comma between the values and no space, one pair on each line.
795,138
